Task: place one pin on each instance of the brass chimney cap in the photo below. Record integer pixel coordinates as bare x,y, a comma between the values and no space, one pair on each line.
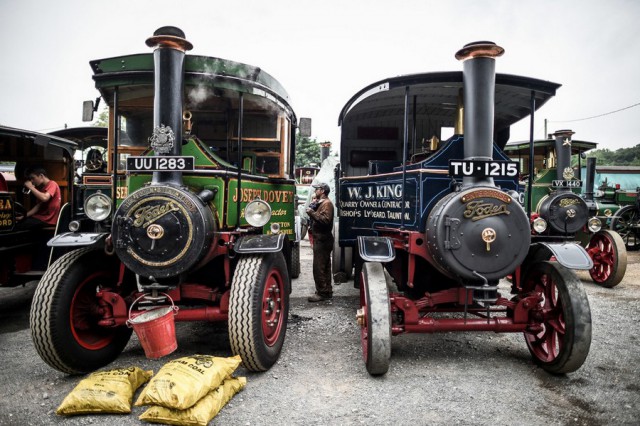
172,37
479,49
564,132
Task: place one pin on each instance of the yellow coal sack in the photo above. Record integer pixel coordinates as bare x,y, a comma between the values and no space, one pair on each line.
184,381
201,413
104,392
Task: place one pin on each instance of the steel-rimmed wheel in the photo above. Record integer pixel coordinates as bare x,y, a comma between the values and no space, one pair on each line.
626,222
562,343
259,309
607,250
374,319
65,313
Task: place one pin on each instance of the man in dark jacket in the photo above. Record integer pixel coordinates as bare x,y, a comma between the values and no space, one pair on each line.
321,214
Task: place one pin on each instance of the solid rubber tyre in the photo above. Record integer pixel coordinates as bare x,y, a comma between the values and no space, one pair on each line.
609,255
563,344
259,309
64,317
375,331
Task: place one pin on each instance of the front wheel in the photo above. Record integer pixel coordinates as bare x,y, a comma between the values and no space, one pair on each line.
65,313
259,309
562,343
374,318
609,255
626,222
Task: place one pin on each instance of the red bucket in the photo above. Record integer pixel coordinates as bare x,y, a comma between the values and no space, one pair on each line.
156,330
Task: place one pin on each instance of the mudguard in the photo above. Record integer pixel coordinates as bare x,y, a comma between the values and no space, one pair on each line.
569,255
376,249
259,243
78,239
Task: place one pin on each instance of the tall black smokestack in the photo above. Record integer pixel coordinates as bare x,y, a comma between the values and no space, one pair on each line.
169,46
479,79
563,154
590,179
325,149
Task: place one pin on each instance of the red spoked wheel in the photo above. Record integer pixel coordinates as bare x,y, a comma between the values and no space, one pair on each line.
259,309
562,341
607,250
374,318
65,313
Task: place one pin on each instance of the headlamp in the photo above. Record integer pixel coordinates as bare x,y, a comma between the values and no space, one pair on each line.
257,213
97,206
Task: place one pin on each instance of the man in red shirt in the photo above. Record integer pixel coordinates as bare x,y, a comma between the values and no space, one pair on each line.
47,192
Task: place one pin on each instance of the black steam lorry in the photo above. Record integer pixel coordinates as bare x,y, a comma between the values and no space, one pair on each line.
431,226
194,210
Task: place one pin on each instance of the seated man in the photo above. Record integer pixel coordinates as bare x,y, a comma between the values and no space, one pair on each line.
47,192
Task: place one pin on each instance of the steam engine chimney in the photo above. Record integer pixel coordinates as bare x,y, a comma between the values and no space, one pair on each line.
479,98
169,46
591,178
563,153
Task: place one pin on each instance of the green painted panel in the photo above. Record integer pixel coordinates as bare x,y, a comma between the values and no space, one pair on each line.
279,196
195,184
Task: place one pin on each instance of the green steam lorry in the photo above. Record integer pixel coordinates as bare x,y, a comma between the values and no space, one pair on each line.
196,211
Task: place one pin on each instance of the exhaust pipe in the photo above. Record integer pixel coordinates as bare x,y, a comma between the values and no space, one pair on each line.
590,179
479,80
169,46
563,156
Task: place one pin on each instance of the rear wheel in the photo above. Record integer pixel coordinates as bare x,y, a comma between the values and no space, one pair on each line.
626,222
563,342
259,309
342,261
609,255
65,312
295,261
374,318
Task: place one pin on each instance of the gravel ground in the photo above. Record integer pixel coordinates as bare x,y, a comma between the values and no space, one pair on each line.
449,378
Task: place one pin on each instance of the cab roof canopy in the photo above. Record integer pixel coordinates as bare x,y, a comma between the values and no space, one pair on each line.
211,77
542,146
436,98
13,135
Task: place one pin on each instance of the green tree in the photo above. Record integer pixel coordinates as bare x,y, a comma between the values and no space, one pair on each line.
103,118
307,151
619,157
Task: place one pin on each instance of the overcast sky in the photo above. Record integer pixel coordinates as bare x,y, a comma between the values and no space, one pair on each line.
324,51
